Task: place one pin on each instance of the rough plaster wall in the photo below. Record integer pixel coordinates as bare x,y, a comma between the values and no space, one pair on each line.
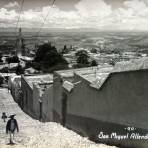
36,98
24,93
30,100
17,88
48,104
25,88
123,99
13,91
57,90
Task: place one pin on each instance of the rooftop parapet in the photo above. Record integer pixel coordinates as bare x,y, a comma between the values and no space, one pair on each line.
98,77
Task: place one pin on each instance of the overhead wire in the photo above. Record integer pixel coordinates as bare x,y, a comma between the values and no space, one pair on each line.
19,16
45,19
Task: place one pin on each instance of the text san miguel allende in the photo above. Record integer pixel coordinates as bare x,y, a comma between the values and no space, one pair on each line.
129,135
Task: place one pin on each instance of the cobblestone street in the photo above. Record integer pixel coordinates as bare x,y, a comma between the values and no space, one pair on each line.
34,134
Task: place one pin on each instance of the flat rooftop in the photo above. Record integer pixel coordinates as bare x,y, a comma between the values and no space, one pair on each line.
97,76
70,73
40,79
132,65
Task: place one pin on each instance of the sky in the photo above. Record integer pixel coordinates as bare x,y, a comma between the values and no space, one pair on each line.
129,15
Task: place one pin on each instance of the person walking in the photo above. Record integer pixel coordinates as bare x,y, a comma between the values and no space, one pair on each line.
4,116
11,127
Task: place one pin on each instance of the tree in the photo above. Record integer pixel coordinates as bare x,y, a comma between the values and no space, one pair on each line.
13,59
4,70
47,56
82,57
1,80
19,70
1,58
112,62
93,50
94,63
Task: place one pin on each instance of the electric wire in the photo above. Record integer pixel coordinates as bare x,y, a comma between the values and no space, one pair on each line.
19,16
45,19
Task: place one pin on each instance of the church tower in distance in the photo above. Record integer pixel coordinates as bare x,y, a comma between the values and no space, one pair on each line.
20,46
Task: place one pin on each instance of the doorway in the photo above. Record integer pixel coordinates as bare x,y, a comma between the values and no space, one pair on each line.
41,108
64,109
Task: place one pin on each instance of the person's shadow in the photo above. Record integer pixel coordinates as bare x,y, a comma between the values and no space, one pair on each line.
11,143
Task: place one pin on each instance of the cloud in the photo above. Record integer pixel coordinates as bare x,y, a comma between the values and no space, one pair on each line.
88,14
92,13
56,17
133,17
7,18
12,4
7,15
137,8
93,8
146,1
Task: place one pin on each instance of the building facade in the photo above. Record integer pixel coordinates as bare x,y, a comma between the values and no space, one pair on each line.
37,96
107,104
14,86
110,101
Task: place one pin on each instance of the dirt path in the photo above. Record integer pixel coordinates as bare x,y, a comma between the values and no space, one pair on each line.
34,134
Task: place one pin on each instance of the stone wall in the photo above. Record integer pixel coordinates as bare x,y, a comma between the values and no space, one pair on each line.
27,103
48,104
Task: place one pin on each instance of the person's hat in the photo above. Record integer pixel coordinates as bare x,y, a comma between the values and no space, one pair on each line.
12,116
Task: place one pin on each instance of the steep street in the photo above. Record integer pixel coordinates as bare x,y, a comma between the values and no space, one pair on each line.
34,134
